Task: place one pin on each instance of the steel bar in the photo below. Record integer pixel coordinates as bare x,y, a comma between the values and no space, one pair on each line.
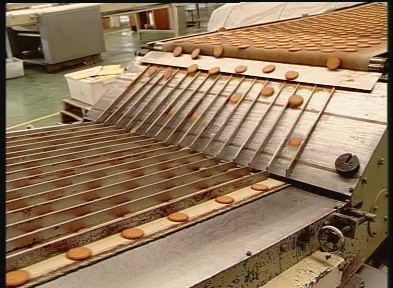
180,125
93,153
281,146
71,202
60,143
131,109
218,112
34,194
29,256
46,173
171,104
148,103
62,135
123,139
110,120
152,114
103,116
255,129
207,108
239,125
299,151
146,197
229,117
270,133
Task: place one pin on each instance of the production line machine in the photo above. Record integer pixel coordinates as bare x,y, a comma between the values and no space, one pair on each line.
206,116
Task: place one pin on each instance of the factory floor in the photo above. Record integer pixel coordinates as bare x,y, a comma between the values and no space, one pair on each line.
36,98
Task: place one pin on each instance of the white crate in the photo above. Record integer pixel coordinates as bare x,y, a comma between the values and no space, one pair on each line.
14,68
88,91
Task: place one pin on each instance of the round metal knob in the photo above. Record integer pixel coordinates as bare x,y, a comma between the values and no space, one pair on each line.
331,239
347,165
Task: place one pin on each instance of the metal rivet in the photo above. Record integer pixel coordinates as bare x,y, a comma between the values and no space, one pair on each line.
351,190
284,247
364,180
374,233
248,253
380,161
385,218
375,208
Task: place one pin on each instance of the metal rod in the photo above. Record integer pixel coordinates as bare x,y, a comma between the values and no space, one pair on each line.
229,117
154,111
255,129
280,147
115,114
147,105
138,102
207,125
103,115
171,104
237,127
193,108
270,133
208,107
299,151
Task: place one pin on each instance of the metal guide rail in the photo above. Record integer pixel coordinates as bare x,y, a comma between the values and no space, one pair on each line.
196,111
65,190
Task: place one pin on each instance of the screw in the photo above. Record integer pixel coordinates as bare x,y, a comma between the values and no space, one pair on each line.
248,253
380,161
364,180
284,247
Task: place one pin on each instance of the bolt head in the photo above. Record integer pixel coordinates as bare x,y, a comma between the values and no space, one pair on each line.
248,253
375,208
364,180
385,218
374,232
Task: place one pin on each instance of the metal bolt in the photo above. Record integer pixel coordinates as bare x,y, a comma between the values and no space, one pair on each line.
248,253
375,208
385,218
284,247
351,190
374,232
380,161
364,180
336,206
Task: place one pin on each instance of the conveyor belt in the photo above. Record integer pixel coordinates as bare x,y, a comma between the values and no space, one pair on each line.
355,35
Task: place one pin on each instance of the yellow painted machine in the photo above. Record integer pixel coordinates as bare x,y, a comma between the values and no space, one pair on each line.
171,136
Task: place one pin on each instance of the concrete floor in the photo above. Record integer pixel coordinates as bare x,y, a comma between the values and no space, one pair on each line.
36,98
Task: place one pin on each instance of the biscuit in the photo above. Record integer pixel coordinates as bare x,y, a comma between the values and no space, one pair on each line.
243,46
168,73
193,68
221,29
332,63
17,278
291,75
260,187
79,253
178,217
152,71
224,199
195,116
364,45
240,69
294,49
295,101
234,98
214,70
268,68
218,51
195,53
350,50
177,51
132,233
267,91
295,141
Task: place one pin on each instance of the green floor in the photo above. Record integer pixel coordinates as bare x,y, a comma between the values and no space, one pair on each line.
36,98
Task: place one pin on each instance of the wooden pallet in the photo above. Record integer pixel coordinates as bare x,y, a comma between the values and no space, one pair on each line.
73,110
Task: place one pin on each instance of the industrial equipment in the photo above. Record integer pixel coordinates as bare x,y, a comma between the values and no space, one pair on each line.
175,132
